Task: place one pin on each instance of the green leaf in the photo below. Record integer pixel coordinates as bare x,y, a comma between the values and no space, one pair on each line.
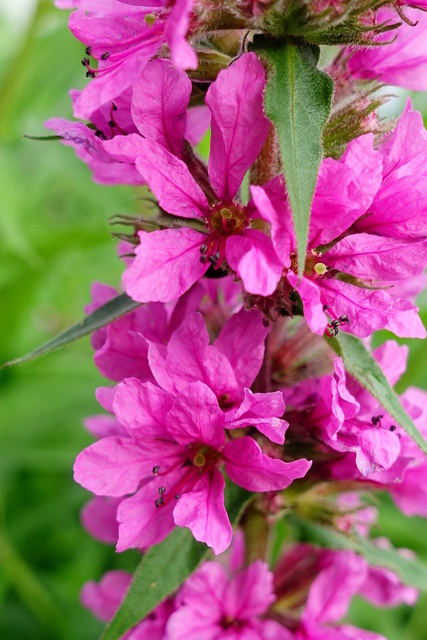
298,101
165,567
410,571
111,310
362,366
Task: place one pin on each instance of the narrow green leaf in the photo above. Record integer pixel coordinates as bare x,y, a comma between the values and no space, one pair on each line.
410,571
110,311
165,567
362,366
298,101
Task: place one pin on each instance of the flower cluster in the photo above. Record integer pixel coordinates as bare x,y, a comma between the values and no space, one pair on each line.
225,353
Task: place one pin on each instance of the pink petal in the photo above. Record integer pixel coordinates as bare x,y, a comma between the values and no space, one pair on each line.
272,204
167,264
104,598
99,518
242,341
248,467
250,592
260,410
159,104
313,305
142,408
196,417
239,126
190,358
142,524
203,512
373,258
115,466
182,54
331,592
254,260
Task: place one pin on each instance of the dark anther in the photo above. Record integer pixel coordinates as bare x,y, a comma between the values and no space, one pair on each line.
203,259
105,55
85,62
90,74
325,307
177,496
100,134
212,259
114,107
203,248
376,419
265,322
88,51
111,123
162,490
159,502
393,427
156,469
344,319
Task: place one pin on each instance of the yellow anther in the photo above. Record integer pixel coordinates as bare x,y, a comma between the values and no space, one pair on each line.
226,213
199,460
150,19
320,268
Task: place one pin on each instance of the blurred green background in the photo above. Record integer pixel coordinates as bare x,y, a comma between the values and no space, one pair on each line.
54,242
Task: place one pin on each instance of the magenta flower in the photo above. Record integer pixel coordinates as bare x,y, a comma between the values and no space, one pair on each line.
123,38
105,597
352,267
402,62
170,461
215,606
168,262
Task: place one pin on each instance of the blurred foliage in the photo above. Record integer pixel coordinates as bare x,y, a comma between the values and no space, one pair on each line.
54,242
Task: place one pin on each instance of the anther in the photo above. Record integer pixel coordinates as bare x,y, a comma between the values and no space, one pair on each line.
159,502
156,469
100,134
88,51
85,62
90,74
177,496
203,248
392,427
376,419
111,123
105,55
114,106
162,490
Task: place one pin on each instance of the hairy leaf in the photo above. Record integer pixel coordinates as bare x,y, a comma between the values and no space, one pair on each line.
298,101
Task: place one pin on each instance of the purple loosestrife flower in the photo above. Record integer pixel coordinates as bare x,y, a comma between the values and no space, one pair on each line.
154,107
217,606
168,262
402,62
378,240
170,461
123,37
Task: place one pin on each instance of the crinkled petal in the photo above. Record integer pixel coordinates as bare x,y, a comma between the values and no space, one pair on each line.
203,512
248,467
271,201
313,305
141,523
141,408
254,260
260,410
242,341
196,417
116,466
166,265
239,126
159,104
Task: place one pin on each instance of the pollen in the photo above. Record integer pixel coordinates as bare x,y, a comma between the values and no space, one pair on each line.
320,268
150,19
199,460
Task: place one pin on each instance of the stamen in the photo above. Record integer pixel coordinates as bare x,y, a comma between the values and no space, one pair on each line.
156,469
376,419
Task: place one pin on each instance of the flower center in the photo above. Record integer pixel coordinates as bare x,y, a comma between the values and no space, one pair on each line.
224,220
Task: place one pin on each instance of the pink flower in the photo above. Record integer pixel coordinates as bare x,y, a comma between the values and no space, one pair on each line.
168,262
402,62
215,606
123,38
169,461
